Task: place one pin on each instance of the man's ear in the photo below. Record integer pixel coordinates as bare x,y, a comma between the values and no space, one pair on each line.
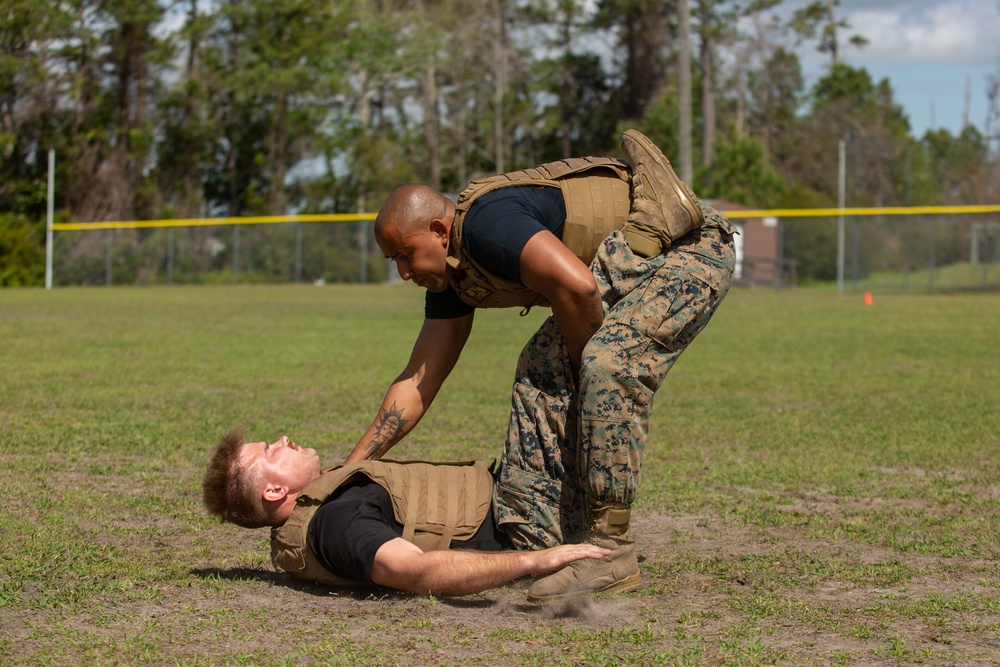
440,228
274,493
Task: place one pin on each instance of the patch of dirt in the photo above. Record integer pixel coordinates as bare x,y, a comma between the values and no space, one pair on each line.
713,592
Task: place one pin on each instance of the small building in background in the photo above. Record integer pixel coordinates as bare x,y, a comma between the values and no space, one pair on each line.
758,248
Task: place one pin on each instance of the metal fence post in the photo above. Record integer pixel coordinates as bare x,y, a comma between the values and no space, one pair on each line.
779,274
855,250
236,253
298,252
907,249
930,254
107,260
170,255
841,199
49,215
363,244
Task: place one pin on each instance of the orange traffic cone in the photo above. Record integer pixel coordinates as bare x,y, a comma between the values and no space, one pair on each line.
868,297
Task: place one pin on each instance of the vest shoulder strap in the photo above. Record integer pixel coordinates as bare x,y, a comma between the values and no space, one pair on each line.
549,173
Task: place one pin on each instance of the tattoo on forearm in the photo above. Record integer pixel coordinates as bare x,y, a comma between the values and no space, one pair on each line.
388,432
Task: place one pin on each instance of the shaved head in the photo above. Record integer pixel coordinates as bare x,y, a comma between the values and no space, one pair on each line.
410,209
413,229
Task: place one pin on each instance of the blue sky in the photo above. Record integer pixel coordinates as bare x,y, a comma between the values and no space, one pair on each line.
934,53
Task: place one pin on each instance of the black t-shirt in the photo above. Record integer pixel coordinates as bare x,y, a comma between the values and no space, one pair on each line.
497,227
351,526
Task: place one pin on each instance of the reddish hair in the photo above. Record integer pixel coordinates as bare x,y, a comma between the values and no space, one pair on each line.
231,490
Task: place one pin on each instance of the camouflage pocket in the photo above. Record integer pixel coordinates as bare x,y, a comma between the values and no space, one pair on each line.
710,258
527,506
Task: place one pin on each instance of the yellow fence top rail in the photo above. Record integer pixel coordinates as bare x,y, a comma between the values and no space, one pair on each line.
206,222
863,211
352,217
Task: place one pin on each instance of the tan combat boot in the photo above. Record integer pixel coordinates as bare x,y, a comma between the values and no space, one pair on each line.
617,572
660,200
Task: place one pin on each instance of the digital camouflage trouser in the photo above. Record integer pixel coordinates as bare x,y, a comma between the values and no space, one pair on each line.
566,445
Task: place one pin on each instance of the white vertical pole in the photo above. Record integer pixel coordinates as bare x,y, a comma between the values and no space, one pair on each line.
841,196
50,212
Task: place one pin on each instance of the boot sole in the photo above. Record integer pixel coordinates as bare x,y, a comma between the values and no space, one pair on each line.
623,586
685,195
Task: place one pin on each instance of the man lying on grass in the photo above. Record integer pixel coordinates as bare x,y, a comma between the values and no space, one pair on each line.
420,527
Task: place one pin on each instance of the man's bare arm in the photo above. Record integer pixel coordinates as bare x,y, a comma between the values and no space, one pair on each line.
402,565
434,355
549,267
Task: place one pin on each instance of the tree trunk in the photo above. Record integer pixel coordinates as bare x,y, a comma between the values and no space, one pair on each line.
707,60
684,91
500,89
189,198
646,33
364,120
432,138
277,201
832,28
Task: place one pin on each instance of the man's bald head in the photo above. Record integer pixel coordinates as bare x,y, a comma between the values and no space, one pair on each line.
411,208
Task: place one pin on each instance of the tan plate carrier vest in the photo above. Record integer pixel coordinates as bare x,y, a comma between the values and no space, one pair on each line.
435,502
596,192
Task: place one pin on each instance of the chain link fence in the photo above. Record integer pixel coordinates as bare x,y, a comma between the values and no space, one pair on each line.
918,252
285,252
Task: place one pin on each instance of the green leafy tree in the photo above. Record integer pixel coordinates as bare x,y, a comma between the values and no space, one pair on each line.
847,105
958,166
572,86
268,71
187,128
111,138
775,99
741,174
818,21
660,123
716,28
31,123
271,106
22,251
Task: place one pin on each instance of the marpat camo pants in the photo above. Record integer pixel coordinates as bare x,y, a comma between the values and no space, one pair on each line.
571,441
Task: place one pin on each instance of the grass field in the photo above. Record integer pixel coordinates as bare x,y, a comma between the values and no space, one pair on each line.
822,483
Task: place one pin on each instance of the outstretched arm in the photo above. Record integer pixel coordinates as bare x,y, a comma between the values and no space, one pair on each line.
402,565
434,355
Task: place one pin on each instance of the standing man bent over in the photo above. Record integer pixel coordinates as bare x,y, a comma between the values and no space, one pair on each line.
632,264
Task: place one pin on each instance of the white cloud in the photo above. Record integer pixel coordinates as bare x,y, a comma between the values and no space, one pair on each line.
953,32
938,55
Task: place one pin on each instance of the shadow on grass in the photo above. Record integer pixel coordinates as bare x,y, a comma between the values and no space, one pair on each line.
250,574
361,594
